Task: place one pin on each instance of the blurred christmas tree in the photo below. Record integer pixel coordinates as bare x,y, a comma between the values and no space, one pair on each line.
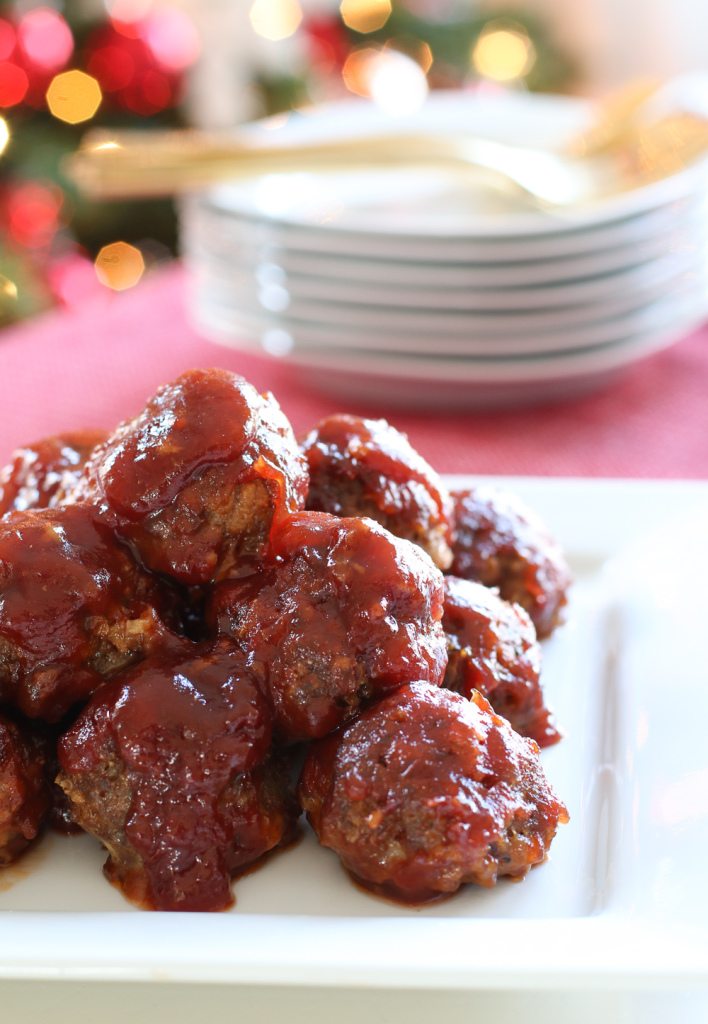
61,73
58,75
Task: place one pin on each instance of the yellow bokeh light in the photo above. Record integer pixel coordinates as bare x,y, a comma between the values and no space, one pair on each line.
275,19
503,54
425,57
365,15
4,135
73,96
8,288
119,266
356,70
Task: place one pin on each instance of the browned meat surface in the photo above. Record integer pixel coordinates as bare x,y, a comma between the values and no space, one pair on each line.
492,647
368,468
170,767
503,544
39,475
348,613
196,481
427,791
24,790
74,609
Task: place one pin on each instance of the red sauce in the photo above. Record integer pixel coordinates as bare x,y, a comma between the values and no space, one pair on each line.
348,613
427,791
189,737
41,474
367,467
64,582
492,648
169,479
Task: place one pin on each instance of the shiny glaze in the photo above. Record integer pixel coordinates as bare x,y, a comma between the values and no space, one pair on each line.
64,582
492,648
367,467
196,442
40,474
24,790
186,736
426,791
348,613
502,543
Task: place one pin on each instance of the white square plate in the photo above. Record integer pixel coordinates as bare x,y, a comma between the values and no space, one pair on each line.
622,900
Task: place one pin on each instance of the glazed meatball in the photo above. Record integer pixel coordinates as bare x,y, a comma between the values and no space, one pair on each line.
24,791
427,791
74,609
492,647
169,767
197,480
41,474
502,543
368,468
348,613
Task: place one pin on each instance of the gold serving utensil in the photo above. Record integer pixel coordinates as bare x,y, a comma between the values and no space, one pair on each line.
617,153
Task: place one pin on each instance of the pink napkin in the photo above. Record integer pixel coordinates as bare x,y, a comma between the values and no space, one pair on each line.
95,366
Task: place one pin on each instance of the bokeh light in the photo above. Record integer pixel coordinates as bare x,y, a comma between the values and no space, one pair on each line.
172,38
275,19
356,71
119,266
113,66
395,82
365,15
8,39
45,39
4,135
8,288
503,52
74,96
33,210
14,84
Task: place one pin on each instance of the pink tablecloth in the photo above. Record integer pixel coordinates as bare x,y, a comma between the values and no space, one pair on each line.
95,366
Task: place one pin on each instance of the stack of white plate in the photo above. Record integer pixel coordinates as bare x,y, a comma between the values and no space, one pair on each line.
414,286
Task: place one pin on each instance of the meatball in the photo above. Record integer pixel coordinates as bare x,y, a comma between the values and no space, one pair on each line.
492,647
74,609
197,480
427,791
169,767
348,613
24,791
501,543
41,474
368,468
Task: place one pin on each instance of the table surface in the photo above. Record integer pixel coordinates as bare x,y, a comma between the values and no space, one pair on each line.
94,366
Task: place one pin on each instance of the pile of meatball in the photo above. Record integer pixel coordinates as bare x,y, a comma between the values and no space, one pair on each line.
207,628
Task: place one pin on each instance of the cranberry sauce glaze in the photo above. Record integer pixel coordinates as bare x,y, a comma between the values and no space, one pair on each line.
502,543
24,790
368,468
39,475
427,791
348,613
197,479
492,647
74,608
170,767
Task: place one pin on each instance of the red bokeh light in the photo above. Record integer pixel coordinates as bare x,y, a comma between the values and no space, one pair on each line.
33,213
14,84
113,66
149,93
8,39
45,39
